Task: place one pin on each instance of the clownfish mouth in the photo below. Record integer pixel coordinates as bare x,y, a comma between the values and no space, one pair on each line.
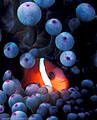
44,75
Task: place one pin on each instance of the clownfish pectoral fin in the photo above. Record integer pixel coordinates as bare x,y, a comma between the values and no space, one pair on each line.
42,70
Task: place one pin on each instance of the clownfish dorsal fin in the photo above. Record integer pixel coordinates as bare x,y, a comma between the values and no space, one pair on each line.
42,70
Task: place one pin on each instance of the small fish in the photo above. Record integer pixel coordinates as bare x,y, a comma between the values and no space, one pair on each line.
45,73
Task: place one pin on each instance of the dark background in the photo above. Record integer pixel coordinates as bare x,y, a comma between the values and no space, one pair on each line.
85,41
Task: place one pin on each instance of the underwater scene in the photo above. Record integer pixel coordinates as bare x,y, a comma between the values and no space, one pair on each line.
48,60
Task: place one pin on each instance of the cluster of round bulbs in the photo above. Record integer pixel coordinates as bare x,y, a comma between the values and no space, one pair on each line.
30,13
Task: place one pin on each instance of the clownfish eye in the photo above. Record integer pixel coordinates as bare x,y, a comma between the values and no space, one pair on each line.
51,75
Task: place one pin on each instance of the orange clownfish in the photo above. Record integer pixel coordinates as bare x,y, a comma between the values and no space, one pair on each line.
45,73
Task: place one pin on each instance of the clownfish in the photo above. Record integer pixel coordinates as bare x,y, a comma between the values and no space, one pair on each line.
45,73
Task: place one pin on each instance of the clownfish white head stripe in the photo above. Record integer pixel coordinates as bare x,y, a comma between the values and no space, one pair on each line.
44,75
